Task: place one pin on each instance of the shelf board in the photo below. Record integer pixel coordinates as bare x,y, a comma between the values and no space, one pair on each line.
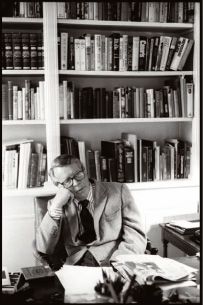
124,74
124,120
22,72
22,122
158,26
51,190
21,20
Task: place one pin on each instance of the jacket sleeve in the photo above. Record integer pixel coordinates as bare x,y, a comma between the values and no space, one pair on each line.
133,238
48,234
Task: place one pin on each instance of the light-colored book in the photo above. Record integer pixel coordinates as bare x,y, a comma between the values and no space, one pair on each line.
82,153
135,56
181,46
190,99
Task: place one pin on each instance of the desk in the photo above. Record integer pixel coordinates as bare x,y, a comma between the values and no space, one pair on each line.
182,242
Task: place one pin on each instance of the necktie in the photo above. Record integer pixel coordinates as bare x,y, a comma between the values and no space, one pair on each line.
87,222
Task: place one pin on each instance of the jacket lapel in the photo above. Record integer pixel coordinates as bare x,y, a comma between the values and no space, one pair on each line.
100,198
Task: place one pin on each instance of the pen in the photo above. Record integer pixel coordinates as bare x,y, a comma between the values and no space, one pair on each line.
110,287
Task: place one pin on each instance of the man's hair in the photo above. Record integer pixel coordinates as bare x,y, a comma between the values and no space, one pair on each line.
60,161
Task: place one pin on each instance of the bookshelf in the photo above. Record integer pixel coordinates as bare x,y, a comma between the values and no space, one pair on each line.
53,127
156,199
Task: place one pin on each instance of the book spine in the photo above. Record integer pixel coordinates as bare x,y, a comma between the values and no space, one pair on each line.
64,50
135,56
8,51
129,164
17,51
10,100
88,52
33,51
166,45
171,52
40,51
82,55
104,170
181,45
26,51
97,164
98,52
190,99
115,52
77,54
185,55
71,54
111,168
142,53
15,102
5,112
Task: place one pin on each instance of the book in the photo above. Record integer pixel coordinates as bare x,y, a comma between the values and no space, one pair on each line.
25,51
171,52
82,153
4,95
17,51
33,51
115,149
64,50
180,48
185,55
135,53
91,166
142,53
104,168
129,164
190,99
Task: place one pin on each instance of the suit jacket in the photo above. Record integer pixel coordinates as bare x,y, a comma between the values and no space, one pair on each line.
117,224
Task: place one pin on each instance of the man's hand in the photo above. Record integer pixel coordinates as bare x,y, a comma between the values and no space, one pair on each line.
61,198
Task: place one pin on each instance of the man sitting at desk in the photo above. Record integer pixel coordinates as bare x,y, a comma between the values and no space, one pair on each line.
96,220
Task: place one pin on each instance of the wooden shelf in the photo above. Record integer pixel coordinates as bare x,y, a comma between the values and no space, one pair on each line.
22,72
124,74
20,20
35,191
22,122
142,26
124,120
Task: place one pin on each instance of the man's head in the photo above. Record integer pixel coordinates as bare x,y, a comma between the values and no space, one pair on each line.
68,172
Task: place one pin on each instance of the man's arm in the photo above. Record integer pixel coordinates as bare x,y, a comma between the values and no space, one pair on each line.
49,230
133,237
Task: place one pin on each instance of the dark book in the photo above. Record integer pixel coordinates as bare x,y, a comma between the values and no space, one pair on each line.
115,51
26,51
171,52
27,100
97,103
129,164
109,104
33,51
71,53
10,100
17,51
89,104
102,105
115,149
91,166
165,101
142,53
32,180
129,103
187,158
136,8
83,103
104,169
111,168
43,172
8,52
40,51
130,52
4,92
155,52
76,102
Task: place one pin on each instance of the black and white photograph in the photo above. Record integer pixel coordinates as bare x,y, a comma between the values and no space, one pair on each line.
101,152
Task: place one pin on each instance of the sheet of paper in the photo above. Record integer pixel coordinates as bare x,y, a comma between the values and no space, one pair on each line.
81,280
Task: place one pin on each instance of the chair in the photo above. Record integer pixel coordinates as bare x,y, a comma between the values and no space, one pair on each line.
57,259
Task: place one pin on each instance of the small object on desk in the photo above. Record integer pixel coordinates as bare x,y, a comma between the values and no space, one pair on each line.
184,226
17,283
110,286
36,272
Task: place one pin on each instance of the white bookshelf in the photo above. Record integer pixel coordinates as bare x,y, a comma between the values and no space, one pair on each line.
22,122
188,128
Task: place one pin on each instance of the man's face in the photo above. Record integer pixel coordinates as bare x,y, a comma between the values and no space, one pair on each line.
79,188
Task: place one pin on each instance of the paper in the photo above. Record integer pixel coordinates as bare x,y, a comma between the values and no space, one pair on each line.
184,224
79,281
153,268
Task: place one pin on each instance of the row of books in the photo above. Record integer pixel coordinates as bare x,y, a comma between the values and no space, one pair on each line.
132,159
128,11
23,164
22,9
27,103
175,99
119,52
22,51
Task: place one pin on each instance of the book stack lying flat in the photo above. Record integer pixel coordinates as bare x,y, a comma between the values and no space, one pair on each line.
184,226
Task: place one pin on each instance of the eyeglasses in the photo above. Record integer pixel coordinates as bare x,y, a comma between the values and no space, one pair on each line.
69,181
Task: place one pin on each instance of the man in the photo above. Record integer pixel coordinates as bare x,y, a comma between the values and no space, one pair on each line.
95,220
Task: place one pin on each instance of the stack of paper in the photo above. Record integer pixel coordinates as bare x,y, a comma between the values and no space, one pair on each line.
153,269
184,226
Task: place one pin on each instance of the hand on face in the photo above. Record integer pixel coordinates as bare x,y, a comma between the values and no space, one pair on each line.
61,198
